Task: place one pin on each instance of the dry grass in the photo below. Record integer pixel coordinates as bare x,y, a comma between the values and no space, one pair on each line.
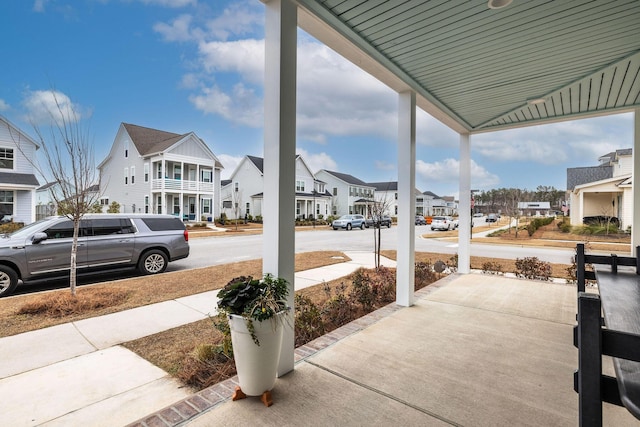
140,291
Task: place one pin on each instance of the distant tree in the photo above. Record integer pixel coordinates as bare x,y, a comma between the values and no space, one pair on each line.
114,207
96,208
237,199
68,159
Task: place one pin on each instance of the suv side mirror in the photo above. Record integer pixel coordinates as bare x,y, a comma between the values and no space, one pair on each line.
39,237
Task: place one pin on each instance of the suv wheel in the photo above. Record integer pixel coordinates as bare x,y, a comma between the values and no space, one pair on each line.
362,226
349,226
8,280
153,262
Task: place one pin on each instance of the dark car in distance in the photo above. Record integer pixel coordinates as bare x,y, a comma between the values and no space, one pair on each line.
383,221
420,220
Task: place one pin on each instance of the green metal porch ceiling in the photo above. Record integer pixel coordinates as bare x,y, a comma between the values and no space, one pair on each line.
478,69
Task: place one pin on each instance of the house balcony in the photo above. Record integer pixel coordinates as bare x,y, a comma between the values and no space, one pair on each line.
182,185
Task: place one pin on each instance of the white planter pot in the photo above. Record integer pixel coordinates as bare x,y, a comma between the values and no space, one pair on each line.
257,366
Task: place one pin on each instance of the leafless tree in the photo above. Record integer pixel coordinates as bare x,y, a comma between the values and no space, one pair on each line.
237,199
68,159
379,207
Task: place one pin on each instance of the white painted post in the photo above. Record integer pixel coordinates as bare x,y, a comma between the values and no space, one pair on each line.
405,279
635,227
464,206
279,155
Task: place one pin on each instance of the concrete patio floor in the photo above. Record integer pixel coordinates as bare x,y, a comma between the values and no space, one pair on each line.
475,350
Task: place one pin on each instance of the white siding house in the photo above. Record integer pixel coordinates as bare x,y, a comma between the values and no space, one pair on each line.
350,195
18,182
603,190
153,171
243,193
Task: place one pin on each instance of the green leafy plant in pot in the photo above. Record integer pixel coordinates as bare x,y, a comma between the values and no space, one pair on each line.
256,311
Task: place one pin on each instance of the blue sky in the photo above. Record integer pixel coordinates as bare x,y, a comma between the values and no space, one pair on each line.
195,65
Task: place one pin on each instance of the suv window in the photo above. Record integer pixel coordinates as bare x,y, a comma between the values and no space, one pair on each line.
61,230
107,226
160,224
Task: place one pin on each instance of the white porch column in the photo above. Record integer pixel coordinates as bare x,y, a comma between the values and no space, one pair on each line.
280,154
216,209
464,207
635,227
405,279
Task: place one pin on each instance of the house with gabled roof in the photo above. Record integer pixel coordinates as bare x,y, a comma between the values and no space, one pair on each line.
242,194
154,171
603,190
350,195
18,181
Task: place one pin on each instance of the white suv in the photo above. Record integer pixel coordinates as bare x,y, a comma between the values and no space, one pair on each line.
43,248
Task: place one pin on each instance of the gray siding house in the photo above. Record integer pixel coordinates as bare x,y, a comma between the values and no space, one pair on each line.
18,181
153,171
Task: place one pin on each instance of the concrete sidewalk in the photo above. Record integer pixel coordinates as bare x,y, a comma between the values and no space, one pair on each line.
77,374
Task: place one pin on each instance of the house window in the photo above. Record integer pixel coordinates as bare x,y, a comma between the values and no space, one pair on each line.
146,172
226,204
318,209
6,158
159,204
177,172
133,175
104,201
206,206
206,176
396,209
146,204
176,205
159,167
247,209
299,185
235,186
297,208
396,196
126,148
126,176
335,191
6,202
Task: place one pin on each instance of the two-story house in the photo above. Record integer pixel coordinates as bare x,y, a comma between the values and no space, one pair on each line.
18,181
153,171
350,195
429,204
242,194
603,190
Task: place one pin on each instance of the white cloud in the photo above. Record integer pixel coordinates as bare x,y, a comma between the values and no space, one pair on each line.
170,3
245,57
178,31
242,106
39,5
580,141
46,107
230,164
239,18
3,105
448,170
317,161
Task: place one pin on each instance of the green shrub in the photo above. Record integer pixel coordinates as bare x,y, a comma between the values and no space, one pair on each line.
309,324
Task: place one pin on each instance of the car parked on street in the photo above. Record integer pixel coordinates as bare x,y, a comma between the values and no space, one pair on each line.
105,241
420,220
383,221
349,221
442,223
491,218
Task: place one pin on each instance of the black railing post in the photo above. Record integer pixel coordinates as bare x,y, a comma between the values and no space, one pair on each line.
589,360
580,264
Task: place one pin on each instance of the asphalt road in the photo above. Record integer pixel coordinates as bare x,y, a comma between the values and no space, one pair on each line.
207,251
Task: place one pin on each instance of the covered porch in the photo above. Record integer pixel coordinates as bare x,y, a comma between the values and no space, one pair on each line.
474,350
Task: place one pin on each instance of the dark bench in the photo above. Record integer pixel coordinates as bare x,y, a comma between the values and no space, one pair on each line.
616,335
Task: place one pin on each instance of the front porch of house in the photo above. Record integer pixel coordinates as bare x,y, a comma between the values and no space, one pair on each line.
474,349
